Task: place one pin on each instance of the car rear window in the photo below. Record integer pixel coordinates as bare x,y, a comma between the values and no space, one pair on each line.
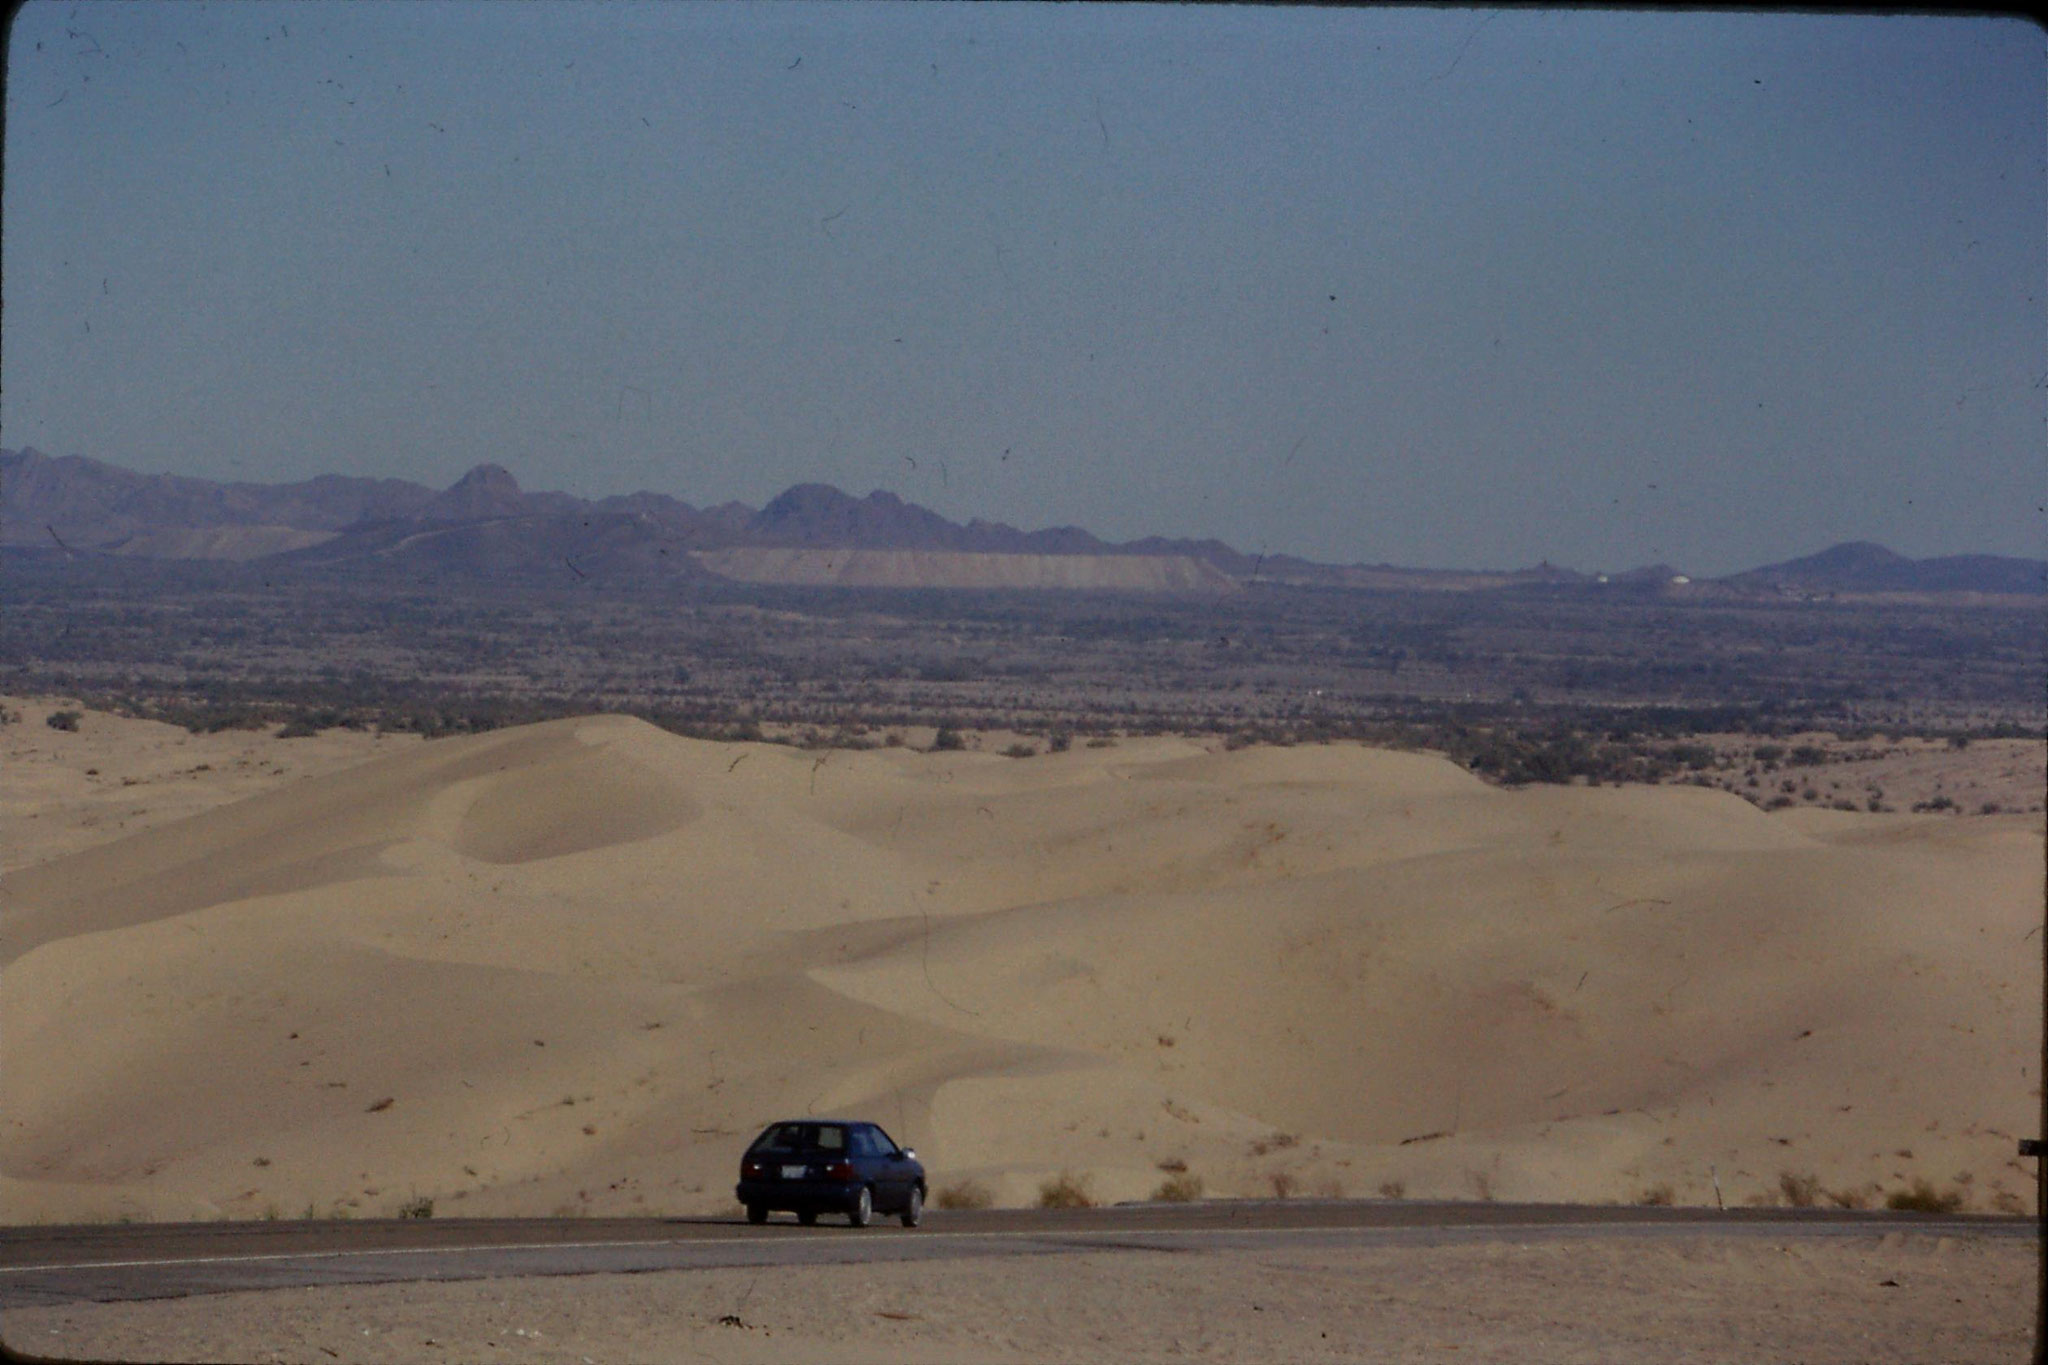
802,1137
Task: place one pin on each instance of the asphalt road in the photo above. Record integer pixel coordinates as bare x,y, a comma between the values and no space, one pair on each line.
111,1262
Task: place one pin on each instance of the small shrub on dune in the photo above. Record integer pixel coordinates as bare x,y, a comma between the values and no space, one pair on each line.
1020,750
1178,1189
1066,1191
64,720
964,1194
1801,1191
1921,1197
1393,1189
1658,1197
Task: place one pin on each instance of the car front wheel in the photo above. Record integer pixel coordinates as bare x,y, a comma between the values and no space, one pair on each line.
757,1213
913,1212
863,1211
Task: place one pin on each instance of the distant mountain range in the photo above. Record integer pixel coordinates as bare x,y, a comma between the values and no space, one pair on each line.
485,524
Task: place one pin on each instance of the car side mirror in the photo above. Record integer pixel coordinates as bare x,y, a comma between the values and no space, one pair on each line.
908,1154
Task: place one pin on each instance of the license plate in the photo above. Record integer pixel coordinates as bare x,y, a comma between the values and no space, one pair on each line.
793,1172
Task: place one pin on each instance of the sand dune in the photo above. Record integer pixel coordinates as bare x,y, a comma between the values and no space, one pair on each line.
570,967
964,569
236,543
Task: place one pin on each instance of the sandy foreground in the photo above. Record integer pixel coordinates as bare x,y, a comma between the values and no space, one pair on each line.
1891,1298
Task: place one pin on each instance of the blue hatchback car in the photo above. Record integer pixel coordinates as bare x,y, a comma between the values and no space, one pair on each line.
812,1166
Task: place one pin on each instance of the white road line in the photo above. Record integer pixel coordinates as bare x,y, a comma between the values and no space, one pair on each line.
1945,1229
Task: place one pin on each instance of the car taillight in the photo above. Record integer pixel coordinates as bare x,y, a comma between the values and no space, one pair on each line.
752,1168
839,1170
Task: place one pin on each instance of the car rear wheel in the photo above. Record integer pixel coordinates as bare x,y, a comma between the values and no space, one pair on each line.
757,1213
863,1211
807,1217
913,1212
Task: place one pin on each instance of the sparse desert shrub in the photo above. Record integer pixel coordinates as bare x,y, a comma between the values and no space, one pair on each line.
964,1194
1173,1165
1066,1191
419,1206
299,728
64,720
1283,1184
1988,808
1102,742
1393,1189
1920,1197
1847,1198
1021,750
1332,1188
1658,1196
1179,1189
948,739
1801,1191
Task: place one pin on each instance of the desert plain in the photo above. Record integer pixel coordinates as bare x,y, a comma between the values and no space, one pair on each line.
570,968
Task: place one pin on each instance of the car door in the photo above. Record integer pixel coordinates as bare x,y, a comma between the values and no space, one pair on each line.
895,1171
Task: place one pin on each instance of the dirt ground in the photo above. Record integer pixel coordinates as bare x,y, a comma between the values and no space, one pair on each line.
1690,1300
1897,773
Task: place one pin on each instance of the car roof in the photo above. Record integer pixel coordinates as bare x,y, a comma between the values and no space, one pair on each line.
842,1123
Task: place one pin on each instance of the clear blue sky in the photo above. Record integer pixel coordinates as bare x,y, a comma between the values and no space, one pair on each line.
1435,287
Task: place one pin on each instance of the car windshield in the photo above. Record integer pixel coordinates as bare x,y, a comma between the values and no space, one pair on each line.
801,1137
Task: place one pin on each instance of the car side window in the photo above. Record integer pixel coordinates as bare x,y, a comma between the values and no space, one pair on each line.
884,1144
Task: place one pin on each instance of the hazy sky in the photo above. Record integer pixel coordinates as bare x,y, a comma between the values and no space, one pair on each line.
1434,287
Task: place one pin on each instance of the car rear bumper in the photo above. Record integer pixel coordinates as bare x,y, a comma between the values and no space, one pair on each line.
799,1196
